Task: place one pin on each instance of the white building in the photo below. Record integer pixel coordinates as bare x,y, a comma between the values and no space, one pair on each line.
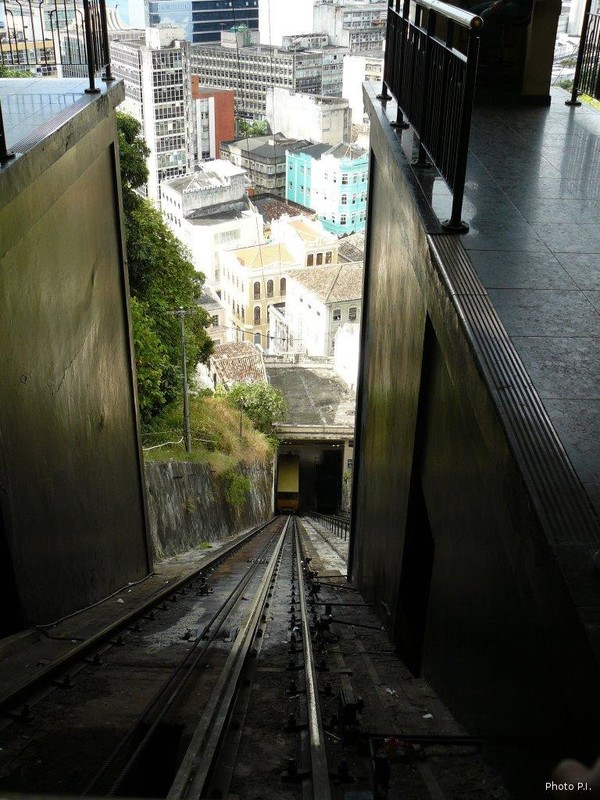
359,69
308,116
156,72
209,211
359,27
319,302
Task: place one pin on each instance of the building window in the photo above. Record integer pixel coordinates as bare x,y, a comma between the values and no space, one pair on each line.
257,338
257,290
337,314
257,315
352,313
328,255
215,320
269,288
319,259
344,199
282,287
310,260
344,177
343,219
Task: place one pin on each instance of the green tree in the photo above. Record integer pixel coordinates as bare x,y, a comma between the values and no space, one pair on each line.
256,128
161,279
261,402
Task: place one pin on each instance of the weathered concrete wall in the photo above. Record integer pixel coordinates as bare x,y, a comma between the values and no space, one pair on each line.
187,505
468,526
72,502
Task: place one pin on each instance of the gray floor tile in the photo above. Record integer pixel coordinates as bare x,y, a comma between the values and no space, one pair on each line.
521,270
545,312
584,268
594,298
577,422
536,210
562,367
570,237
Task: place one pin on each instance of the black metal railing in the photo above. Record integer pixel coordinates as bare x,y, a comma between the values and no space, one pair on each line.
53,37
339,525
587,69
430,68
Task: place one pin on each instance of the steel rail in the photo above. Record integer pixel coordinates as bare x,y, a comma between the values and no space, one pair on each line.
197,763
321,788
175,683
17,693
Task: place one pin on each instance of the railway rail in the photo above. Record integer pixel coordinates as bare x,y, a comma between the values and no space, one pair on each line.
244,681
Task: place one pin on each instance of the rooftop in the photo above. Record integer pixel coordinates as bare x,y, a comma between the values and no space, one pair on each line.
273,207
264,255
212,174
238,362
352,247
333,284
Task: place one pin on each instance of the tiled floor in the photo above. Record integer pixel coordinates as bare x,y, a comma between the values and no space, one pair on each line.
30,103
532,201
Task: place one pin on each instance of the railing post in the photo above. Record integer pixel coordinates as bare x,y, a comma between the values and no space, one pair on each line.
108,76
582,47
5,154
89,46
455,224
425,91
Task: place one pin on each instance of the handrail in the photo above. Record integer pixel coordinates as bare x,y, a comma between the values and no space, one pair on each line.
587,68
51,35
433,83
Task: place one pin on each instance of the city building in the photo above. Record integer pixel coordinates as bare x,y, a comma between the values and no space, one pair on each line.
333,183
359,27
215,118
358,69
155,70
210,210
202,21
319,302
252,279
263,158
219,331
253,70
309,116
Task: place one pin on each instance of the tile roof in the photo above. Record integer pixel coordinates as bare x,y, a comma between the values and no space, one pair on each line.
332,284
352,247
238,362
272,207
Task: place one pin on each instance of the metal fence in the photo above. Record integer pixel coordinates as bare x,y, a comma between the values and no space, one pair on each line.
339,525
587,69
430,68
53,39
46,36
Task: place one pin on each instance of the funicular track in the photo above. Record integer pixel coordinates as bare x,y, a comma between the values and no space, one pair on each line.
246,689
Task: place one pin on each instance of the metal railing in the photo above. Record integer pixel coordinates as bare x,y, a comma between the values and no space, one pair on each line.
430,68
339,525
587,69
53,37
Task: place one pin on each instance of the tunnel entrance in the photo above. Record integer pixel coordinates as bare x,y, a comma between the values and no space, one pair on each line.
320,474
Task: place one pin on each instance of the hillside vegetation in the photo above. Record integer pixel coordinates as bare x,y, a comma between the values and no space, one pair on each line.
216,440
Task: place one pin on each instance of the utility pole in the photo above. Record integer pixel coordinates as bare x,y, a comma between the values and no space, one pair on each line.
187,436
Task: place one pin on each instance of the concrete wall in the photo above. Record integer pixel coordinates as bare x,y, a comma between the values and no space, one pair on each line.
187,505
489,584
72,495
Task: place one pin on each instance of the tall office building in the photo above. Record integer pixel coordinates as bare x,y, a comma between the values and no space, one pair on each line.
158,92
203,21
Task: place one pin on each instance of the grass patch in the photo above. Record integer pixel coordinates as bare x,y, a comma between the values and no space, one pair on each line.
218,439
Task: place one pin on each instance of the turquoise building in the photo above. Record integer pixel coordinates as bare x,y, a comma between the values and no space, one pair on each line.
333,182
